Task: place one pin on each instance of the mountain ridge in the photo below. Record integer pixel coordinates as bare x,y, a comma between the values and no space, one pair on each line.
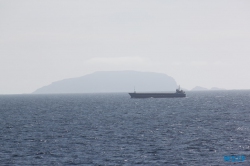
111,81
199,88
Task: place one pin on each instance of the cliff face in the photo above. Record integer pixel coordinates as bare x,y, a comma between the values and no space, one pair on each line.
112,81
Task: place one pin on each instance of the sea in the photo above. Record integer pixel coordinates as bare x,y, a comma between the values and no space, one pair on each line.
205,128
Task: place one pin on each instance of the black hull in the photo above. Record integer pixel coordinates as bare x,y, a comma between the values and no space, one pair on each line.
157,95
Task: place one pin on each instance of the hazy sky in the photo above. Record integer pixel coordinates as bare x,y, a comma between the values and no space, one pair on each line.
205,43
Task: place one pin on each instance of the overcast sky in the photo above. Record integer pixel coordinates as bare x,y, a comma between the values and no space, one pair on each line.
205,43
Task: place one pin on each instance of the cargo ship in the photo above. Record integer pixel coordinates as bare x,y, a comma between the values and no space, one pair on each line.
178,93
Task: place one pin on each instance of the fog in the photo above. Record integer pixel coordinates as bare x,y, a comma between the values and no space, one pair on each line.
203,43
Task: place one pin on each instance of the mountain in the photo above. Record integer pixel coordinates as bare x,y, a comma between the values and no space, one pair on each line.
199,88
112,81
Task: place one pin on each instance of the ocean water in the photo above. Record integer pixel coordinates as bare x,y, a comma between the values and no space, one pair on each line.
113,129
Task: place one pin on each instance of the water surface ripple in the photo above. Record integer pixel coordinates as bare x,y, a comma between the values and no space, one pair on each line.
112,129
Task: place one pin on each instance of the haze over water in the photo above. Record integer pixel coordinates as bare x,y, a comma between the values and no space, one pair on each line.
198,43
112,129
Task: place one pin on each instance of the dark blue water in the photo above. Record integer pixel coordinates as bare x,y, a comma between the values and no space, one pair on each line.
112,129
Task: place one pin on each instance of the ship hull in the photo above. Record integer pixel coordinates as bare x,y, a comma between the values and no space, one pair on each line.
156,95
